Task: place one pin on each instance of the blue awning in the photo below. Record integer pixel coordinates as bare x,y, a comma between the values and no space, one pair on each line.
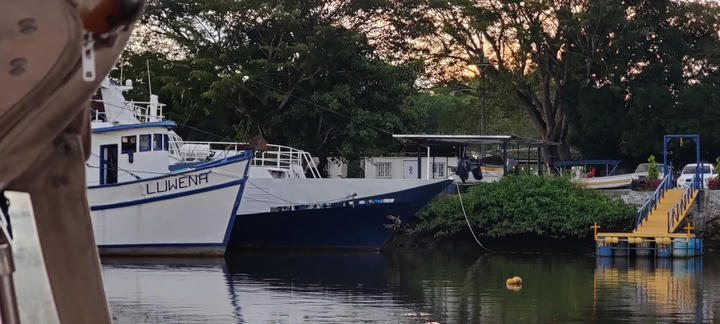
587,162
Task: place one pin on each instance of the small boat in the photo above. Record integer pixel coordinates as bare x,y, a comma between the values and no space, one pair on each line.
586,174
139,206
287,203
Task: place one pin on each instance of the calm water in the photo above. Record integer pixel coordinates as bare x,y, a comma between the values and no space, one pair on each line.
409,287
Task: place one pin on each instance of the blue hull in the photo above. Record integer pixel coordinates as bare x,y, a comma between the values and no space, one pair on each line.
358,227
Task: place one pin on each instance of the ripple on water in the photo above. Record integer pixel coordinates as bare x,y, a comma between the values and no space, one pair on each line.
425,287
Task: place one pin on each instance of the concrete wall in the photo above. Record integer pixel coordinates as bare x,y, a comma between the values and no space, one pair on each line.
632,197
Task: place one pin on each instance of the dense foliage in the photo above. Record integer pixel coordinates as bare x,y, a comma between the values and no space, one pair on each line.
549,207
606,77
290,71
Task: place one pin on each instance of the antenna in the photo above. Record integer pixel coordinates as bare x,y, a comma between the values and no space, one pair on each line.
147,63
121,70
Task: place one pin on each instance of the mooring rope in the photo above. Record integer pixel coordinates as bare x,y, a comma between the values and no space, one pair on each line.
457,185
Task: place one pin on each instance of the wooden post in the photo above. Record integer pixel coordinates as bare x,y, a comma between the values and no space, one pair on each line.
505,157
595,228
689,227
539,158
419,161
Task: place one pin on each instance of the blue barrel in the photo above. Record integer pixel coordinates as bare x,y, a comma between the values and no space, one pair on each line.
643,249
621,249
663,251
680,266
603,250
663,263
604,262
698,246
680,248
691,247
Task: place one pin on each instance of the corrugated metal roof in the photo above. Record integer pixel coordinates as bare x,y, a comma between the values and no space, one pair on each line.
428,139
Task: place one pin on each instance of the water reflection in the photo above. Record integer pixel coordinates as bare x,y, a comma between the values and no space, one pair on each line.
663,289
405,287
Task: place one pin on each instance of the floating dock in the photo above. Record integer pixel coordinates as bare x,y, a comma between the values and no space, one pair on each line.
658,229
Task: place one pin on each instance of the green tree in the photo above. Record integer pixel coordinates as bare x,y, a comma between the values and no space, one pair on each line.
542,52
595,74
296,73
456,109
652,169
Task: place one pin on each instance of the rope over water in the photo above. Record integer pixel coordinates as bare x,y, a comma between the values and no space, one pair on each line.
457,185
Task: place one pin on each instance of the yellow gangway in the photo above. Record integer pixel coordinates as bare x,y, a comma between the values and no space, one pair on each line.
658,220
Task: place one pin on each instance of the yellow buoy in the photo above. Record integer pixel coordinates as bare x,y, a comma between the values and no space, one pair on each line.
514,283
631,240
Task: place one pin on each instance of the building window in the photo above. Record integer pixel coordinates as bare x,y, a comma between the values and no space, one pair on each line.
157,142
129,144
384,169
439,170
145,143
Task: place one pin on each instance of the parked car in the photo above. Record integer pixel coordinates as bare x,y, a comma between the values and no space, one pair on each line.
640,175
688,172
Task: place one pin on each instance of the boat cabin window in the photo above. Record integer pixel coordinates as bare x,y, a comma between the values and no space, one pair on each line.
129,144
166,142
157,142
278,174
145,143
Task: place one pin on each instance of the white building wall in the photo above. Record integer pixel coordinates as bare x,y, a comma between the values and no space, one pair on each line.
398,166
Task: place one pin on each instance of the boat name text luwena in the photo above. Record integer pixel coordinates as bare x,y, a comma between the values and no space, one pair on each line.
181,182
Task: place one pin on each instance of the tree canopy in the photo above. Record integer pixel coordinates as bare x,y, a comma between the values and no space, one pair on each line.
292,72
605,77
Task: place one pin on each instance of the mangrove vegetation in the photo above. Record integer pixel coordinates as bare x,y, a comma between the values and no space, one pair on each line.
521,207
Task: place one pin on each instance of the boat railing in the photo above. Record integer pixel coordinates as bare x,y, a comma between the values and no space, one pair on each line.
148,111
143,111
652,202
681,205
276,156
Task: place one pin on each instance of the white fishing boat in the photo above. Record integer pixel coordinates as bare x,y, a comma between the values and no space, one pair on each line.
590,173
137,204
287,203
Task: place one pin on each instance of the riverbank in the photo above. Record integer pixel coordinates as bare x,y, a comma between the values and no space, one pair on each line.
517,212
536,214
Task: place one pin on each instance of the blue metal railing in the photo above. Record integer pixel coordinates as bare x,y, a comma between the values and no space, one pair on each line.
675,212
652,202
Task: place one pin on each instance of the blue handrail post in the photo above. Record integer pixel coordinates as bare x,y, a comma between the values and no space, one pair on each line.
665,166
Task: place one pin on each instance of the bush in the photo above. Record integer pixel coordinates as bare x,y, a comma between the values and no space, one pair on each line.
546,206
714,183
653,172
653,184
